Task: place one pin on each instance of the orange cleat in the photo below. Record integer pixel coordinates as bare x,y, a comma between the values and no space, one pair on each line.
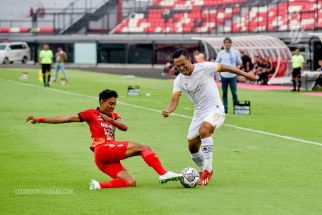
205,177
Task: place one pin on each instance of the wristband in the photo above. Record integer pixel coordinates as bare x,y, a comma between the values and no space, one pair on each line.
41,120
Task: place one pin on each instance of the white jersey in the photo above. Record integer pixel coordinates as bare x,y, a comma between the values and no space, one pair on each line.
201,87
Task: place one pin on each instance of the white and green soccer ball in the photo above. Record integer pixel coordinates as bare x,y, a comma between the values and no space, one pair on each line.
190,177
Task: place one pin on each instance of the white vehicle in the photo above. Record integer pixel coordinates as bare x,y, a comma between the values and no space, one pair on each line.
14,51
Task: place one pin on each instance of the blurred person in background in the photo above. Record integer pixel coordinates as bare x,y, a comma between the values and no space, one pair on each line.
320,66
200,58
259,67
61,58
247,65
298,66
168,69
264,69
46,60
229,57
247,62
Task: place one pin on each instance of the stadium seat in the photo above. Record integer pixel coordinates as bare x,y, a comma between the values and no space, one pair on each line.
282,69
4,30
45,30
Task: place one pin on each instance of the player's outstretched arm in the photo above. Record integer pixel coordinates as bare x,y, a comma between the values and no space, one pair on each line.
173,105
250,76
53,120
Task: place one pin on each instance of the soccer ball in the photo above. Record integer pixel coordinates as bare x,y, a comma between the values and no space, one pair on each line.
190,177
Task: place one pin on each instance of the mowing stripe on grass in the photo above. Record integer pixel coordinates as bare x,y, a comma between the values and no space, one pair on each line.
174,114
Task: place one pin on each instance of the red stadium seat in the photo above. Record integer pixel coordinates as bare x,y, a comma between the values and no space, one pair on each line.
24,30
282,69
4,30
45,30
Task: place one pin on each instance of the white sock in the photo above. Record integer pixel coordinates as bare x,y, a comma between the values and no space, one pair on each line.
207,147
199,159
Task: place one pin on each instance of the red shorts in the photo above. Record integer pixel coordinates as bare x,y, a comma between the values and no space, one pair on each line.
108,156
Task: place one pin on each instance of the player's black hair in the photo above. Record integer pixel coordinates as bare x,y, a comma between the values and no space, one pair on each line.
106,94
180,52
227,39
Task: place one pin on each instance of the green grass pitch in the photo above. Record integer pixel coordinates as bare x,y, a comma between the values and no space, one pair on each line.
45,169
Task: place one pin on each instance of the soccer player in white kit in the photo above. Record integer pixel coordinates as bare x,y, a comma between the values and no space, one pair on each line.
197,82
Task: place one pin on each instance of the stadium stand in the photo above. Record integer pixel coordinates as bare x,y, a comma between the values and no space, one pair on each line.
185,16
233,16
73,18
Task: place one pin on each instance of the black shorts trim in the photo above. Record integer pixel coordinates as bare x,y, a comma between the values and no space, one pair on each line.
45,68
296,73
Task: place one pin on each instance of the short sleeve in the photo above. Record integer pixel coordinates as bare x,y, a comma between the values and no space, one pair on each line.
85,115
210,67
176,86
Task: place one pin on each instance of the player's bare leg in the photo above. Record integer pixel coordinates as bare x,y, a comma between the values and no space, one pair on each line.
123,179
126,176
207,144
152,160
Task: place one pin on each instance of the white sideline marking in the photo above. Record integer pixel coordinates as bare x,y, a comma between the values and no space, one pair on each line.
274,135
173,114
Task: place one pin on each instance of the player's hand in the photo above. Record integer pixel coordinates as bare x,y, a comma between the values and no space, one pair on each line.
32,119
250,76
165,113
105,117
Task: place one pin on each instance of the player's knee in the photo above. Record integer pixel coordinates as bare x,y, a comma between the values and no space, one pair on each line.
137,147
204,132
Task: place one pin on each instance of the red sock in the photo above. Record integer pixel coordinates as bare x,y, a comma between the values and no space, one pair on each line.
114,183
153,161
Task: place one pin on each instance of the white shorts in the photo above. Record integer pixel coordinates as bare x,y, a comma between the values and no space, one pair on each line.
216,118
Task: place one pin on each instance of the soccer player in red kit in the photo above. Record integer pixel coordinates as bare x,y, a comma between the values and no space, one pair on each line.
108,152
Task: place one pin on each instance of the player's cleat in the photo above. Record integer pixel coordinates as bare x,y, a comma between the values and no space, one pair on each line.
94,185
205,177
170,176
